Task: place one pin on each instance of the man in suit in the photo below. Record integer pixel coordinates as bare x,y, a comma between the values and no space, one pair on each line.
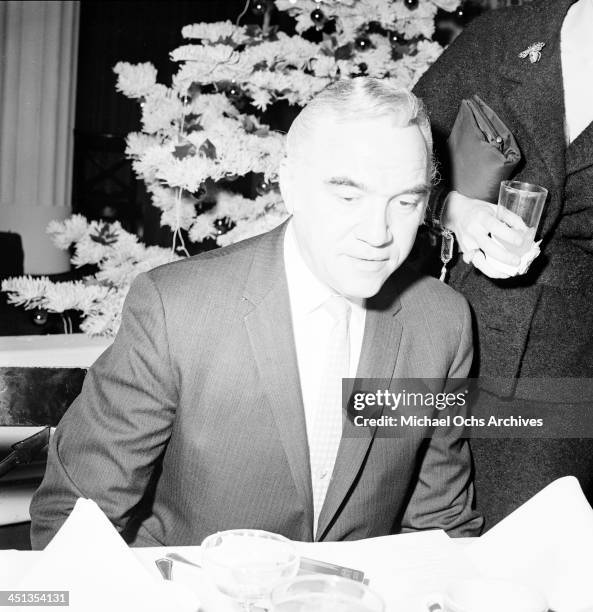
215,407
540,324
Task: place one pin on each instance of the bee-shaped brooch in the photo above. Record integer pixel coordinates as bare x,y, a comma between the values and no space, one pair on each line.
534,52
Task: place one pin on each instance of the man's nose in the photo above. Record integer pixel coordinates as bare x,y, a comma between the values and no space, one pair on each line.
373,227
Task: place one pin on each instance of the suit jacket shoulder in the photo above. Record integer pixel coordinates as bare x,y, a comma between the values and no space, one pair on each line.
436,323
435,299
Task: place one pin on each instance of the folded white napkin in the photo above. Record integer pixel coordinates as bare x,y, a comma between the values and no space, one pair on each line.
88,557
497,269
548,543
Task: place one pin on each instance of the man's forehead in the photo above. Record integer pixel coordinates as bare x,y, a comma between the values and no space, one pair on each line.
345,151
364,138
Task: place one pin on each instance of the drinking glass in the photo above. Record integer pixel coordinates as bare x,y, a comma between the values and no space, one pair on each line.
520,206
246,564
322,593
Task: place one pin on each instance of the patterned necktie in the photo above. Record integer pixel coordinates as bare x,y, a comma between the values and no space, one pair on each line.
324,439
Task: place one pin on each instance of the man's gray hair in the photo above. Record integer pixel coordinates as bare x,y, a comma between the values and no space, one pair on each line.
360,98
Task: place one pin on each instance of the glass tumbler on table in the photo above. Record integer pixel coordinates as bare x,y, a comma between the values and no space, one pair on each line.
246,564
322,593
520,206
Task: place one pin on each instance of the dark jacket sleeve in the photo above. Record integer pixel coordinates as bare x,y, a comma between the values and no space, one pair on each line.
108,443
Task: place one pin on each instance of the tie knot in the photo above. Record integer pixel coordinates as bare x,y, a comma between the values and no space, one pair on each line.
338,307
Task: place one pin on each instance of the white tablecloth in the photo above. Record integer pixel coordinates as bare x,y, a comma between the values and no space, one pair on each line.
405,570
51,351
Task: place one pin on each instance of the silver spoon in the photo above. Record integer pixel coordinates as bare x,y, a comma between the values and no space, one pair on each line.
177,557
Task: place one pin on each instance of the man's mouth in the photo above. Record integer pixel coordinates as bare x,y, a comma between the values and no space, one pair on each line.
369,258
369,264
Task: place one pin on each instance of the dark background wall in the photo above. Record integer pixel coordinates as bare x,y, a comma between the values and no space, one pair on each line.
132,32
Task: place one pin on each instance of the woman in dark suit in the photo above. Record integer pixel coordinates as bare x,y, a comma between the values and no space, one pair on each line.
539,324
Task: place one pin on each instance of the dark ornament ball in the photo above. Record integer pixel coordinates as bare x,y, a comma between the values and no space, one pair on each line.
258,7
234,92
40,317
264,187
411,4
460,12
395,38
362,43
318,17
223,225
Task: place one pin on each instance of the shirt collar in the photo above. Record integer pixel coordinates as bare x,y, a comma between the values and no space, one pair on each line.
306,291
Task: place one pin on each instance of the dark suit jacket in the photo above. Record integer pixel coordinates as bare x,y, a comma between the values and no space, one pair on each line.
540,324
198,400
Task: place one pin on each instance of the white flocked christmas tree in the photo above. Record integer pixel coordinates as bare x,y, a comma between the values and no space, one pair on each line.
205,132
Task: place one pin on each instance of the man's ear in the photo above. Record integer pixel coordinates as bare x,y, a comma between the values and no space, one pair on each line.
285,181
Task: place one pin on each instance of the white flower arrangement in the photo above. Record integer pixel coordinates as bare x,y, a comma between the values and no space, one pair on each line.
204,129
119,256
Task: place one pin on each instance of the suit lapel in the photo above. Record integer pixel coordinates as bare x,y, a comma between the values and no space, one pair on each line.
382,335
269,326
534,96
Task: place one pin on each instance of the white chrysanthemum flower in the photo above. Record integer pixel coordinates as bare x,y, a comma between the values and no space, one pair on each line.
161,110
64,233
135,80
233,205
180,215
72,295
138,143
188,173
26,290
90,295
165,198
214,32
324,66
210,64
244,230
378,60
419,22
260,98
119,275
105,319
242,210
211,107
285,51
152,160
127,245
157,256
203,227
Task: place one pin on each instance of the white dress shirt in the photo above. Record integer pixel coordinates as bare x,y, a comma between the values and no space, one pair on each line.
576,50
312,325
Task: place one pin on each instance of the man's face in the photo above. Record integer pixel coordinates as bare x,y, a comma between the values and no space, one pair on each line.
357,194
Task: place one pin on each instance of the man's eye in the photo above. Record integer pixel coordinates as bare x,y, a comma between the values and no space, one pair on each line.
407,203
347,196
